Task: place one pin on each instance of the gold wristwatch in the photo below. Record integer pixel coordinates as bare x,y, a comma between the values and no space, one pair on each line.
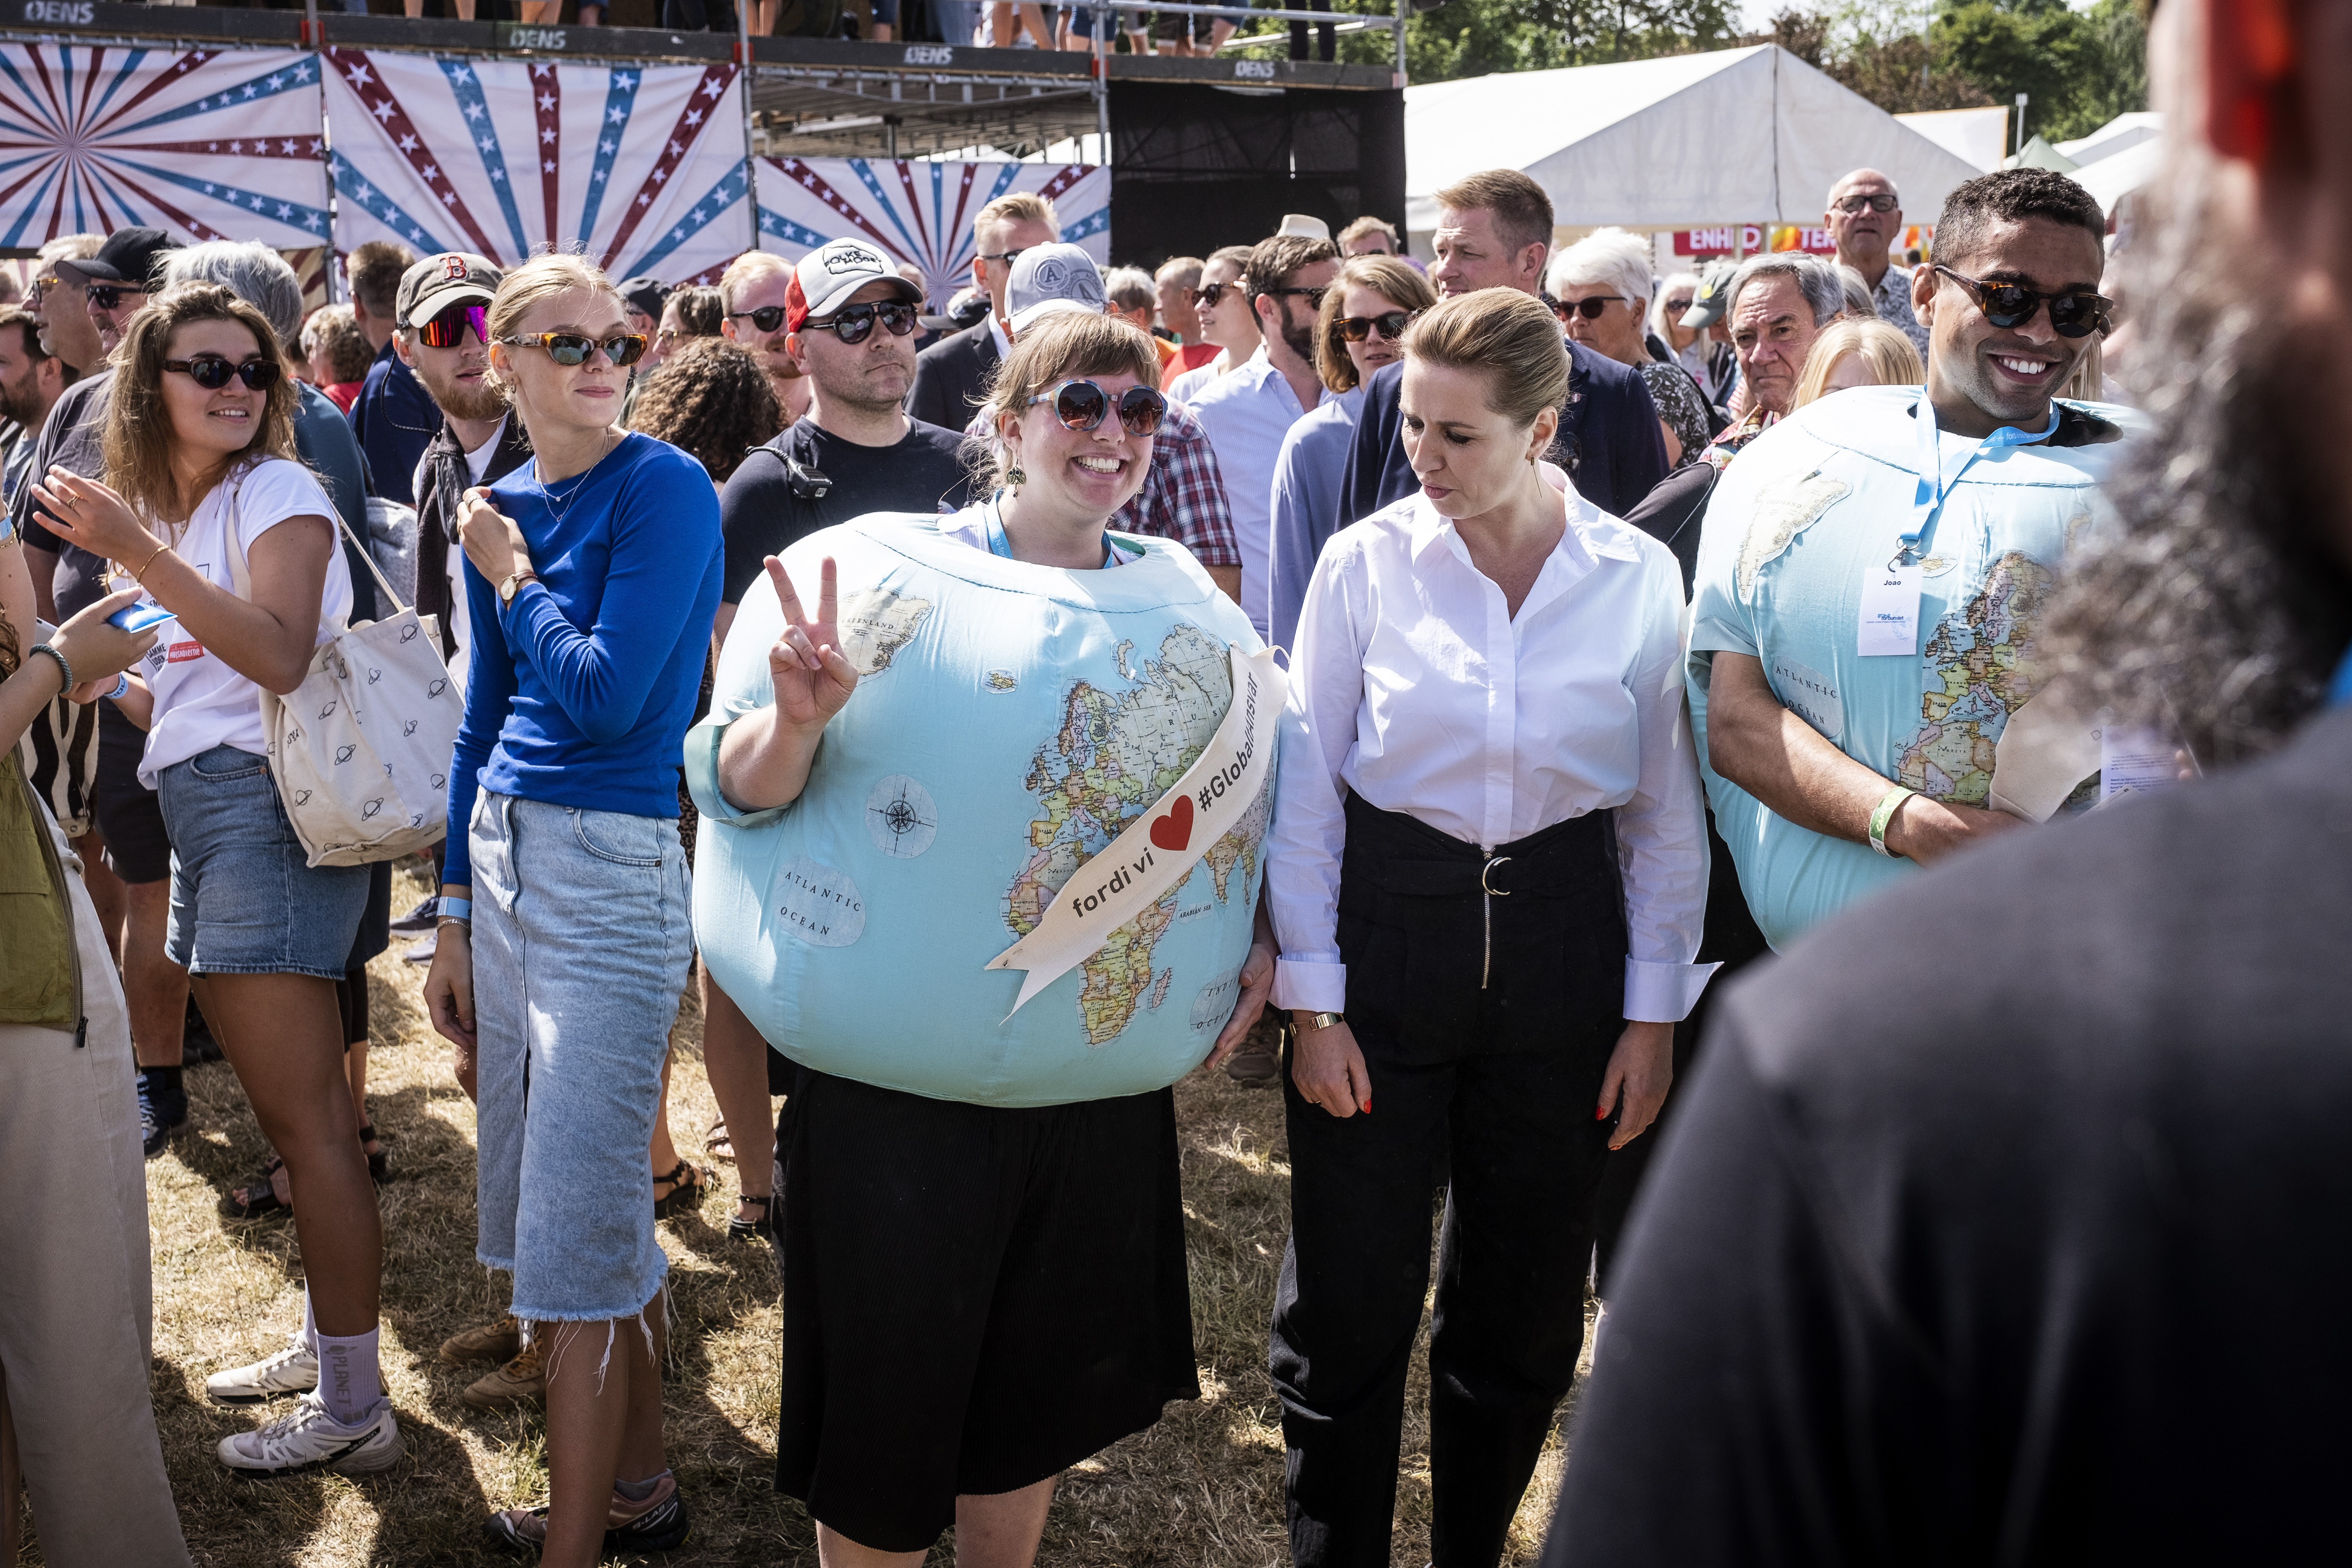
513,584
1324,1020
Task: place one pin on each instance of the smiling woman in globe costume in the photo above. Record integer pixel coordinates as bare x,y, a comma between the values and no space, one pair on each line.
983,1243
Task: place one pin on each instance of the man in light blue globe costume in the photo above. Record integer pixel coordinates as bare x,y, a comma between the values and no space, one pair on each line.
1874,567
982,856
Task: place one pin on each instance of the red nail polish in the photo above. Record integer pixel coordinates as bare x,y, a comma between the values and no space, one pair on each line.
1600,1114
1368,1105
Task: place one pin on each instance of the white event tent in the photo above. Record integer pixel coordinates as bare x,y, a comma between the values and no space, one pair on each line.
1686,140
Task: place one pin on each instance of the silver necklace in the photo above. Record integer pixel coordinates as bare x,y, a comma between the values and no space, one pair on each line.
556,509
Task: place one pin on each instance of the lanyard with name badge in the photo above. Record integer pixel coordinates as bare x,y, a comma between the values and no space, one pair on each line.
1000,545
1889,622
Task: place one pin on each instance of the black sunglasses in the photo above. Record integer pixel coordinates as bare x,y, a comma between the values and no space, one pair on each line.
1006,257
1314,296
767,318
568,349
212,372
106,296
1589,309
446,329
1210,293
2071,314
1881,203
854,323
1082,405
1389,324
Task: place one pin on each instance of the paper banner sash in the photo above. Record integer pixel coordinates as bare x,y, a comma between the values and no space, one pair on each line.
1160,848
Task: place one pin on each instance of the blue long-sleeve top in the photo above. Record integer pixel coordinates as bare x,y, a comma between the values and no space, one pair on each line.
579,693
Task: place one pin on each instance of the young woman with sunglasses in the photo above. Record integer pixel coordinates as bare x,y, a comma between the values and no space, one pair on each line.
199,450
592,575
1360,328
1226,320
980,1226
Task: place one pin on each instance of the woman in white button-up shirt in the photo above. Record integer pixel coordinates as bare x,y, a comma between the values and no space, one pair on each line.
1488,876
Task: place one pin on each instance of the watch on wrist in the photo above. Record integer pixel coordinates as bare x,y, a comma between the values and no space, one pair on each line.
1324,1020
513,584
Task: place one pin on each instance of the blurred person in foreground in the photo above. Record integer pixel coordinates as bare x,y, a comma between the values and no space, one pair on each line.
1862,353
1922,1286
1929,1301
1603,284
1358,328
1494,231
335,355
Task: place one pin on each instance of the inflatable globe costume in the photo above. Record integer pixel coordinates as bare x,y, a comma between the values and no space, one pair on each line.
1007,910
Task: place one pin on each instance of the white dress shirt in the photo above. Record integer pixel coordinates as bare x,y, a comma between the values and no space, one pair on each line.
1412,685
1246,415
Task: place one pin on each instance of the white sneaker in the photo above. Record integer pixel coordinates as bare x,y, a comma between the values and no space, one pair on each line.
294,1370
421,950
307,1438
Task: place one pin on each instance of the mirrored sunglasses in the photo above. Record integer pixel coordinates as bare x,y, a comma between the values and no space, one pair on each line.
568,349
447,328
854,323
1083,406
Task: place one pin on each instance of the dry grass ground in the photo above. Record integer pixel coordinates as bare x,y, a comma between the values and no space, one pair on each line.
1202,1487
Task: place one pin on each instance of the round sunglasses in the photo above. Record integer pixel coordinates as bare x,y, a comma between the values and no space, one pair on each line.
213,371
447,328
767,318
2076,313
1389,324
1083,406
854,323
1210,293
570,349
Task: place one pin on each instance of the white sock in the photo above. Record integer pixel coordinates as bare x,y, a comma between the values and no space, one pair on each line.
348,1382
310,1323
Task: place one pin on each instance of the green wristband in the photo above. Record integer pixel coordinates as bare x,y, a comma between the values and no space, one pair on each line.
1888,804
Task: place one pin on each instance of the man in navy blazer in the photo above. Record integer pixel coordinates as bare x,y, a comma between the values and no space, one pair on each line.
951,376
1494,231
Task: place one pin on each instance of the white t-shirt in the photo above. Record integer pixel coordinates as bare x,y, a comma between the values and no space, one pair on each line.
200,702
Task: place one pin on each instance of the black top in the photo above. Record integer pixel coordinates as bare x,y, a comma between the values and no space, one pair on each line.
394,418
2005,1221
1609,440
447,481
952,377
759,515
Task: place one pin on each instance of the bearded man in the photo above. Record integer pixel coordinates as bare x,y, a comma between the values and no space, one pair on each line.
2001,1222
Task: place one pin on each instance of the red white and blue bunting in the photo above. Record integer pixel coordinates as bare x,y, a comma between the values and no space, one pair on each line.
204,143
920,211
641,167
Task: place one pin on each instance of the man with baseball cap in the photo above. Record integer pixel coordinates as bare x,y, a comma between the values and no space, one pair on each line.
116,281
1708,304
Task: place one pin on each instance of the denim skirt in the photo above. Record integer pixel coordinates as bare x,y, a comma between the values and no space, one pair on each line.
245,897
581,942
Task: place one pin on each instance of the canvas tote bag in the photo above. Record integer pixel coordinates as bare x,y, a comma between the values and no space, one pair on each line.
360,750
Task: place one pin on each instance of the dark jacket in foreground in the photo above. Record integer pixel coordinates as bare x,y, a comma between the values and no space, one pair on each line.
2009,1219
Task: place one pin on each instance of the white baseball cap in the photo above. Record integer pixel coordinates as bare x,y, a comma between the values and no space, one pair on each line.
1048,279
830,275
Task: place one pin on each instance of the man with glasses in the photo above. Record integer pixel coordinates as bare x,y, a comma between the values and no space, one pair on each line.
115,281
1874,568
1865,219
849,324
1249,412
952,375
59,305
751,293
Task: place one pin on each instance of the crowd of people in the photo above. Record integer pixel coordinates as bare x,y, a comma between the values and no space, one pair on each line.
1625,629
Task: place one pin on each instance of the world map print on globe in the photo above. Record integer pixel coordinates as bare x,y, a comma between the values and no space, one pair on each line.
1115,753
1977,674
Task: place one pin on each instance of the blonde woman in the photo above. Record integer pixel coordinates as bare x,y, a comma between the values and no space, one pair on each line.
1360,328
1487,872
592,573
1857,354
199,447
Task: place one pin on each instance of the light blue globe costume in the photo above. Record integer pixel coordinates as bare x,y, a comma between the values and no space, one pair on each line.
1008,722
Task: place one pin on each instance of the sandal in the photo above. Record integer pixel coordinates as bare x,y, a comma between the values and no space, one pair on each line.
260,1195
688,1187
379,1164
717,1143
761,1229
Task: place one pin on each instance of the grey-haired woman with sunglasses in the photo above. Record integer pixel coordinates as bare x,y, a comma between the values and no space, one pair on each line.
1360,328
982,1236
591,573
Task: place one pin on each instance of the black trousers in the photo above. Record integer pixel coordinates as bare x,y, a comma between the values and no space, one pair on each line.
1493,1038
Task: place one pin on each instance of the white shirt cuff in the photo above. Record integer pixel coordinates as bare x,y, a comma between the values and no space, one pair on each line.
1312,985
1659,992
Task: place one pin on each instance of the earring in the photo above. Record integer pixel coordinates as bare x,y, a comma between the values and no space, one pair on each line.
1015,478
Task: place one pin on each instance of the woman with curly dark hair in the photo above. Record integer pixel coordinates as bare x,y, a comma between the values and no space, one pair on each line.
712,400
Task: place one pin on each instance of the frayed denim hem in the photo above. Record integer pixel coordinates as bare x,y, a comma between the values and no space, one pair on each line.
576,1314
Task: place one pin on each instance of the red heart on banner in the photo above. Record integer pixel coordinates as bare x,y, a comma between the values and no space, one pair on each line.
1174,831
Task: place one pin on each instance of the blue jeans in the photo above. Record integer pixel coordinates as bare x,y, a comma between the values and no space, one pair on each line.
245,897
582,935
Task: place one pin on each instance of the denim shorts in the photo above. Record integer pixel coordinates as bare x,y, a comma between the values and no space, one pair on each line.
245,897
582,935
